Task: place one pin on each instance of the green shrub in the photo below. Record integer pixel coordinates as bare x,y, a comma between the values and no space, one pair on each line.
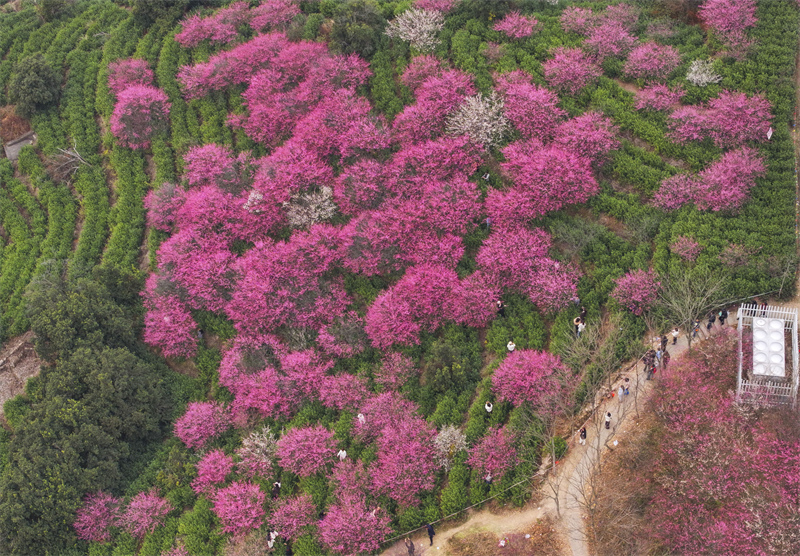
34,85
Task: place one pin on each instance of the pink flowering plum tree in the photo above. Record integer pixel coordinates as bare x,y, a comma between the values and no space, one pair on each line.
730,19
726,183
306,450
729,120
415,303
545,178
686,248
471,302
231,67
294,517
590,135
637,290
443,6
381,411
516,26
522,377
239,507
658,97
289,170
127,73
216,165
168,324
162,205
624,14
143,514
517,259
420,69
578,20
351,527
395,369
288,283
98,512
273,15
570,70
652,62
437,97
343,392
609,39
201,422
723,185
212,469
219,28
306,370
406,461
201,265
494,454
140,113
532,110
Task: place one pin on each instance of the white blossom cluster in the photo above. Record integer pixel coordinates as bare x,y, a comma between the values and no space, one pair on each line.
417,27
480,118
701,73
449,442
259,446
253,200
309,208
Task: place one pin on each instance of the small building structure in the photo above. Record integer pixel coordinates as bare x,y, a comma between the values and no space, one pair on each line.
768,371
12,148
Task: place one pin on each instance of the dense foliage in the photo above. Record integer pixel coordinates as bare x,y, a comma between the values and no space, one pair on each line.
321,204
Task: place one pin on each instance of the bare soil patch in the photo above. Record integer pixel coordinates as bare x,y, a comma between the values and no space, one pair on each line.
18,363
11,125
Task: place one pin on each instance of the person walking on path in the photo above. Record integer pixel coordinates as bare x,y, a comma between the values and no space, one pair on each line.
723,316
608,420
649,358
409,546
659,355
675,333
627,383
651,371
431,532
695,328
582,436
620,393
664,342
711,319
665,360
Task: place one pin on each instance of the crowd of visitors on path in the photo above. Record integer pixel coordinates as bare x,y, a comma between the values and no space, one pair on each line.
657,357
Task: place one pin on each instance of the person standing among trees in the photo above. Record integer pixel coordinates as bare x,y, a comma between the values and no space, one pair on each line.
695,328
584,313
431,532
581,327
723,316
582,436
675,333
649,358
501,308
608,420
711,319
409,546
511,345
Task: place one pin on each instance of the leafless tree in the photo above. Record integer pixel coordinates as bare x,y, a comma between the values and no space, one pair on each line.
448,443
688,296
62,165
